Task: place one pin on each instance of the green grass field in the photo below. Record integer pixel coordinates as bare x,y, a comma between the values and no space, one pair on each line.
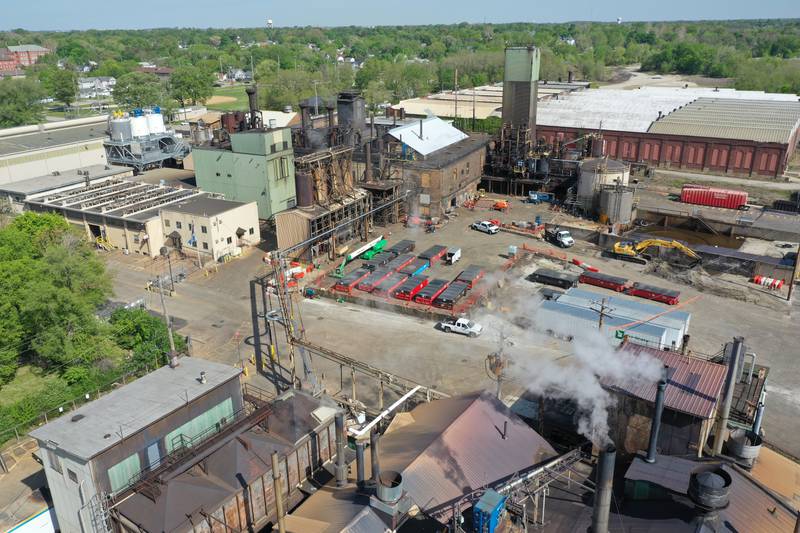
28,380
236,91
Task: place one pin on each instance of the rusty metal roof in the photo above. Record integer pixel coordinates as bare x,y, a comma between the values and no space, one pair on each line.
694,386
456,445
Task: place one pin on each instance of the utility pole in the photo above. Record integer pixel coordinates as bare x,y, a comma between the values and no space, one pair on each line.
167,318
455,93
602,314
473,109
795,272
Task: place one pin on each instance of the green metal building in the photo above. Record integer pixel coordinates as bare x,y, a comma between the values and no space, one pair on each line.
256,166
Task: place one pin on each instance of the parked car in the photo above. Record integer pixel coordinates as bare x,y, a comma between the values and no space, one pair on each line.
485,226
463,326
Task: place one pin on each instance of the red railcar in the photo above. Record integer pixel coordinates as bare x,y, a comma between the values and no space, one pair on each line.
658,294
597,279
713,197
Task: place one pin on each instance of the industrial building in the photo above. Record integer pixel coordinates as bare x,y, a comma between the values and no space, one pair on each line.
141,218
741,133
141,140
478,102
22,55
437,163
32,151
252,165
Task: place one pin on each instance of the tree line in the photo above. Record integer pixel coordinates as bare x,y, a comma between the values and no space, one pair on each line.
398,61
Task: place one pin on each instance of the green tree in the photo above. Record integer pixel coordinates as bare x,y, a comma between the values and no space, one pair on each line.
138,89
60,84
20,102
144,335
190,84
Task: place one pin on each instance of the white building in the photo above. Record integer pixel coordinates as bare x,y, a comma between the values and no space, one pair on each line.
96,87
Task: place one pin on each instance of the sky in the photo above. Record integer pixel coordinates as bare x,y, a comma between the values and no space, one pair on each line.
113,14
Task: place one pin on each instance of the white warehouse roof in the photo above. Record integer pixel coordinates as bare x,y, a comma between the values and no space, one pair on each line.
633,110
435,135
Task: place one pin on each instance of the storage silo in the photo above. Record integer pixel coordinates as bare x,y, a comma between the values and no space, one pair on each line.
155,123
304,184
121,129
596,173
139,126
616,204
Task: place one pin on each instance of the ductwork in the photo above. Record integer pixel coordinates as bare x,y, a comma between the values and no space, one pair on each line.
603,489
341,465
360,464
374,448
737,352
655,426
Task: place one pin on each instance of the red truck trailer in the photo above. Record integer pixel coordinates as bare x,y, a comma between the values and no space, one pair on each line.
713,197
387,287
658,294
347,283
433,289
614,283
369,283
410,287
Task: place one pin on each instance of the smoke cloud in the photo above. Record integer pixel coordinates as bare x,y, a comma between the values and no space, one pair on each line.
586,363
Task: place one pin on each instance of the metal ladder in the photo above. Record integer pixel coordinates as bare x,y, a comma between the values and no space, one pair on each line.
99,515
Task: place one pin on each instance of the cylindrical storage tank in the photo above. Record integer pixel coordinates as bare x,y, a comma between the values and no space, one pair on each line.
744,446
304,185
616,204
594,174
155,123
139,127
121,129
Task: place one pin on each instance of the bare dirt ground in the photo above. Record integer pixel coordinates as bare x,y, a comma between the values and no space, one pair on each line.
218,99
630,77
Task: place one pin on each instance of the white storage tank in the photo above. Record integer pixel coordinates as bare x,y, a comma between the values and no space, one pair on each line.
121,129
594,174
139,127
616,205
155,123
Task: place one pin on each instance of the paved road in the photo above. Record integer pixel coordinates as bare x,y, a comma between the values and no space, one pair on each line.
792,185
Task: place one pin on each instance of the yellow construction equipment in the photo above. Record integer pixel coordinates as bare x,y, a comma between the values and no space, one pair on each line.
635,251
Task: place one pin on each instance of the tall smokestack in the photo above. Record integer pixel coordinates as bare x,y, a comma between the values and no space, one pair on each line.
733,362
603,489
360,464
374,451
655,426
252,98
341,466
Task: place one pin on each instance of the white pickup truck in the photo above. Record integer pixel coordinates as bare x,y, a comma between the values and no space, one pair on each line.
463,326
485,226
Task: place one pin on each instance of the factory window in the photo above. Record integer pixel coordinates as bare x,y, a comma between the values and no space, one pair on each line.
273,148
72,475
229,240
252,231
205,246
284,167
135,239
203,229
468,167
191,226
178,225
285,145
166,222
55,462
121,473
215,417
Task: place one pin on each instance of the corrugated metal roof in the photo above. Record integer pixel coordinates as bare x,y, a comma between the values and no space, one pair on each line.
694,386
436,134
753,120
28,48
633,110
753,507
456,445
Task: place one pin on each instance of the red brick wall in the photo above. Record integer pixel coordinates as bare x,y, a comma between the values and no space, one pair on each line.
742,158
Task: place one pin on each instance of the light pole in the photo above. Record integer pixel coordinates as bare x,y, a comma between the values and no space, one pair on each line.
165,253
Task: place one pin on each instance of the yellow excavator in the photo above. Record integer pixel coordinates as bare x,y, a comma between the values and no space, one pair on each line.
635,251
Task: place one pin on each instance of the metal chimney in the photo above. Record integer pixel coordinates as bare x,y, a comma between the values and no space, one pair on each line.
374,449
730,384
360,464
655,426
603,489
759,417
252,98
341,466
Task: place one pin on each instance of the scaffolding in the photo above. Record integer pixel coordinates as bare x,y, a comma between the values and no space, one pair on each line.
146,152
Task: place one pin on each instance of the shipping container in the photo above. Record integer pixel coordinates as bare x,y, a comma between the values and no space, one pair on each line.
434,253
415,267
369,283
399,262
386,287
452,294
433,289
565,280
614,283
713,197
471,275
378,261
657,294
402,247
410,287
347,283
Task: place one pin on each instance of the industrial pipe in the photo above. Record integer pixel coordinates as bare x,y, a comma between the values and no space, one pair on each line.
341,466
725,412
603,489
655,426
374,451
759,417
278,490
360,464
